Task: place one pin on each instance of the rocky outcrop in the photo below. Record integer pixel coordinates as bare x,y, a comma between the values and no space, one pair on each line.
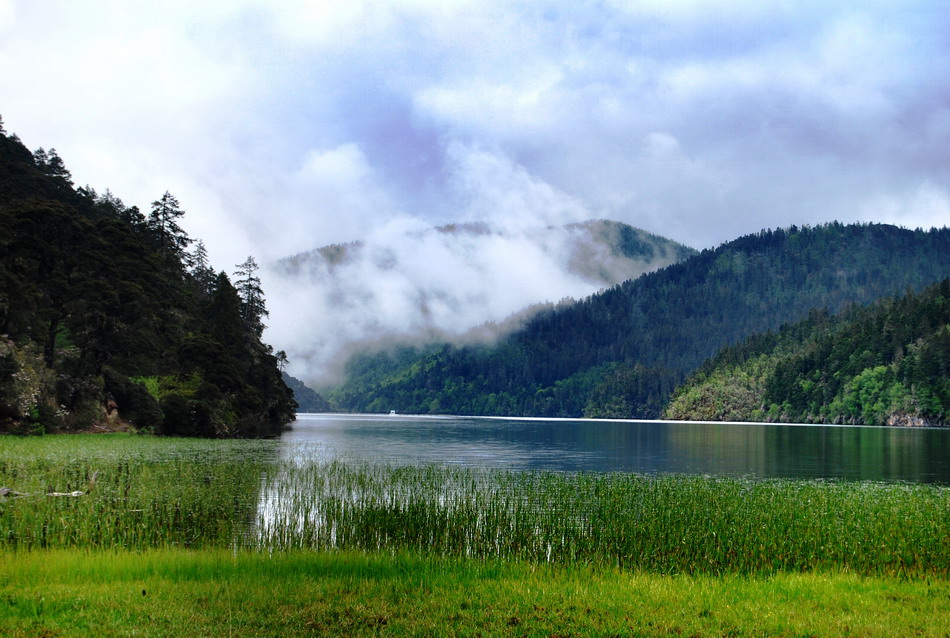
903,419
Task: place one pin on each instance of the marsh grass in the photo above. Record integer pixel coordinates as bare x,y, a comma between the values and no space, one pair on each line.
147,493
666,524
167,493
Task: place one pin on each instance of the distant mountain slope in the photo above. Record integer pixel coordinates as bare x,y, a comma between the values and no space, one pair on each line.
307,398
884,364
601,251
423,285
621,352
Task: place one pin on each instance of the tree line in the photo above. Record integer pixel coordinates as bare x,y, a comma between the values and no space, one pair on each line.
111,314
883,364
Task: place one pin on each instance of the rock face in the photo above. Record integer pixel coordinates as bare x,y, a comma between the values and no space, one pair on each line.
902,419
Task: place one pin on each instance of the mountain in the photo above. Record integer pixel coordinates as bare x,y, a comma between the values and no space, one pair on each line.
882,364
417,285
307,398
107,319
621,352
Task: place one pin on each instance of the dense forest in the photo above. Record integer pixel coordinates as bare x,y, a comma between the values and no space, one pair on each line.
622,352
308,400
111,316
883,364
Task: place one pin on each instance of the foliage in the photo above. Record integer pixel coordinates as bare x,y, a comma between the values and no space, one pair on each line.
248,285
622,351
94,294
887,363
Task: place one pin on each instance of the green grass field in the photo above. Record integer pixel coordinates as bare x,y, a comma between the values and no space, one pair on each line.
219,593
226,538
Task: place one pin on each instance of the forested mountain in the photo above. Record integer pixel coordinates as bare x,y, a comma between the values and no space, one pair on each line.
883,364
620,353
108,314
308,400
414,284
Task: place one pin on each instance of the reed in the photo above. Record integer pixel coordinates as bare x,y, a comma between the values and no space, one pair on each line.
665,524
163,493
147,492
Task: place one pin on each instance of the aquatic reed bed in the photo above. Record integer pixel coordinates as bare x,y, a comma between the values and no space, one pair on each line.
666,524
126,492
160,493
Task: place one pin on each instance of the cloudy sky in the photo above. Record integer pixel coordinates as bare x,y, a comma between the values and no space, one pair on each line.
282,126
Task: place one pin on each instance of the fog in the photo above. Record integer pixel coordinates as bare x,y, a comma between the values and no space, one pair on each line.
409,283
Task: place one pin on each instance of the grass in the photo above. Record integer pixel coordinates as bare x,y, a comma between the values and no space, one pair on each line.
668,524
227,538
202,494
148,492
220,593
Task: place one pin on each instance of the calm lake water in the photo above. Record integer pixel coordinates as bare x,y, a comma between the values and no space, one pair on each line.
753,450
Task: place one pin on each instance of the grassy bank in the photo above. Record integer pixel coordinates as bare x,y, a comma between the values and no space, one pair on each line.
221,593
217,538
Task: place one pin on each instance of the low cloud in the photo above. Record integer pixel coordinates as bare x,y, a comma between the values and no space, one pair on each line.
411,284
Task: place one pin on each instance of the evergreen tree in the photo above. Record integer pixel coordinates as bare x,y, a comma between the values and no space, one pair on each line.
282,359
248,285
224,313
40,158
163,222
56,169
200,269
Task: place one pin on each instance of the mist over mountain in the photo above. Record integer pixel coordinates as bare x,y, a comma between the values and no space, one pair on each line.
415,284
621,352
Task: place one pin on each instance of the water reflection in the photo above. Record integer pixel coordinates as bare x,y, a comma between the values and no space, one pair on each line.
758,450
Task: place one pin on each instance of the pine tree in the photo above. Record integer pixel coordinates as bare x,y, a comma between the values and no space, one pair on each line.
56,168
163,222
200,269
40,158
248,285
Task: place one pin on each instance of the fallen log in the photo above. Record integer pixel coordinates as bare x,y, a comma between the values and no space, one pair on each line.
6,492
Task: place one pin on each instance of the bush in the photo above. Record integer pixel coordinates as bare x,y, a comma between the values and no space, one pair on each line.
133,401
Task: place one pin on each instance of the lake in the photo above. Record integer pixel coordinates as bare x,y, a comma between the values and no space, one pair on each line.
920,455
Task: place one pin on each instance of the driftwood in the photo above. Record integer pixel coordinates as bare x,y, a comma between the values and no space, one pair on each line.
6,492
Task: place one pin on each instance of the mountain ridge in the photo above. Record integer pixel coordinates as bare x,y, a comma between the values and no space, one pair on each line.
423,285
621,352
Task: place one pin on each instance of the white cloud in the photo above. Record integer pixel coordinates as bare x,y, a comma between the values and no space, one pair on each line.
7,15
492,187
283,126
926,206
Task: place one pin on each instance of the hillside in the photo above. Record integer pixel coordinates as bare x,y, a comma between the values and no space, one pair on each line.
883,364
111,317
417,284
601,251
620,353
